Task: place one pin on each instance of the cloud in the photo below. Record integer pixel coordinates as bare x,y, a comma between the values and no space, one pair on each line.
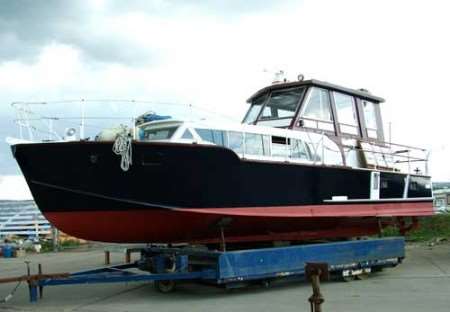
222,9
14,188
97,28
28,27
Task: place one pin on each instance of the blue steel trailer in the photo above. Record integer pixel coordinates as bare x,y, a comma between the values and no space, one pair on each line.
166,266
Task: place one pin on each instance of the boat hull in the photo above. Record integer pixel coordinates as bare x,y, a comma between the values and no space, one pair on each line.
183,192
140,226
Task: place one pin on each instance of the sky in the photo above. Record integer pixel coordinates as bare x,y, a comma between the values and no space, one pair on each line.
215,54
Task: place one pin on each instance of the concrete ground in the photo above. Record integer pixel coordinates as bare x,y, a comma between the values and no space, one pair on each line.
421,283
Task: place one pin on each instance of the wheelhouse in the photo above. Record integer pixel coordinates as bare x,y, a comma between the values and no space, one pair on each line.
309,122
319,107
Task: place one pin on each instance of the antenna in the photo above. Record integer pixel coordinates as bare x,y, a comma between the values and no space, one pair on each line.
279,76
390,132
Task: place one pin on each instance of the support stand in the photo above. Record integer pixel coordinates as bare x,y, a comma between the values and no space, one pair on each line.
315,272
55,239
221,224
223,245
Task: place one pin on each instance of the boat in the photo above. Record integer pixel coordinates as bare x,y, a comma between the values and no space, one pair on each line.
309,161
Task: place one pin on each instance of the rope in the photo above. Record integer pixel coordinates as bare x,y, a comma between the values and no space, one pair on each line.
122,147
11,294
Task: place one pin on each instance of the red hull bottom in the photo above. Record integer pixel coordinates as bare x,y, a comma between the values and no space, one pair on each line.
247,224
169,226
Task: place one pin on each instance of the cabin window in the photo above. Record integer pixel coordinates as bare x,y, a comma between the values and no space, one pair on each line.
254,110
317,111
257,144
346,113
370,118
150,133
314,150
299,149
236,141
280,147
281,108
266,145
217,137
187,135
289,148
413,186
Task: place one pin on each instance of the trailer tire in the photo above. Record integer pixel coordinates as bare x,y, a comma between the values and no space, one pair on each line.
348,278
165,286
362,276
266,283
377,269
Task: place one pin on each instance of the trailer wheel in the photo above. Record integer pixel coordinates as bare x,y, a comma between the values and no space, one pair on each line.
362,276
165,286
266,283
377,269
348,278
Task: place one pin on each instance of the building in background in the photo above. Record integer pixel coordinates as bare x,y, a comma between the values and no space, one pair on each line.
441,194
22,218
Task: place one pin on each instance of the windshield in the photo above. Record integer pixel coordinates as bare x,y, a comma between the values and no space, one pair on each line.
278,110
282,104
254,110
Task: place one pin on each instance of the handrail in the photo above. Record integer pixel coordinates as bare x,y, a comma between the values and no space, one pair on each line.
395,144
317,120
393,154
